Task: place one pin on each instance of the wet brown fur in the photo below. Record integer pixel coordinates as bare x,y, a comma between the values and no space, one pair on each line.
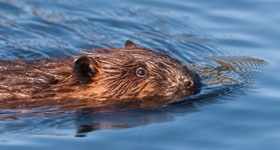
100,77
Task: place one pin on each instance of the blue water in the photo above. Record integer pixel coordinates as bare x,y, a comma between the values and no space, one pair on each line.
243,118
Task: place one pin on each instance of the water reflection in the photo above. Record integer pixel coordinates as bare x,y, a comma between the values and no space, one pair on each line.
87,121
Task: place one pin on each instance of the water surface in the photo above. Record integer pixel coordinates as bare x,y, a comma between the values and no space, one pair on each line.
240,113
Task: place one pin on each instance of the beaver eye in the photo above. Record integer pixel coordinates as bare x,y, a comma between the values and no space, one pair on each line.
141,72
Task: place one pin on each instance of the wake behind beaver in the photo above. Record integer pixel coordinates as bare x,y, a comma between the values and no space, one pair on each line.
97,78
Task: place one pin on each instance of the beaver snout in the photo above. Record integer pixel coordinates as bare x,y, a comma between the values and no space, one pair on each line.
190,84
194,84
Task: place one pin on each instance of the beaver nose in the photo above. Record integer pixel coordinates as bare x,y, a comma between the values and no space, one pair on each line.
188,83
192,84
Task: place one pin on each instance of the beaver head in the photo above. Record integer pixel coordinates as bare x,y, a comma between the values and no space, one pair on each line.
133,73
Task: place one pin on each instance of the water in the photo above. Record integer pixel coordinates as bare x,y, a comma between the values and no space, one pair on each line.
234,116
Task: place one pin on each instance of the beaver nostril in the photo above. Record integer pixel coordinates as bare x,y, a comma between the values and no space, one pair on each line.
188,83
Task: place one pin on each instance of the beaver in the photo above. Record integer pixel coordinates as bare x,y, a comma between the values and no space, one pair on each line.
99,77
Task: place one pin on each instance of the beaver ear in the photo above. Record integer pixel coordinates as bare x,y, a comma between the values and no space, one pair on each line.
130,44
84,69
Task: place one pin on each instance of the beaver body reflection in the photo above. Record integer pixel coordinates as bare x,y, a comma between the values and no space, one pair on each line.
101,77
